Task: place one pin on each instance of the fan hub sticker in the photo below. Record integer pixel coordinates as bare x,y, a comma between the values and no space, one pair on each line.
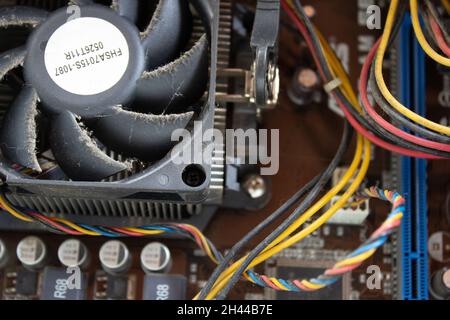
87,56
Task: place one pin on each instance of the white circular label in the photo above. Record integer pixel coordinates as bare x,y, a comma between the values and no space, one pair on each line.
87,56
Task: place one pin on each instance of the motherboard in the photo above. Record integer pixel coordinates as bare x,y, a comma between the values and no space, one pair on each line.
91,199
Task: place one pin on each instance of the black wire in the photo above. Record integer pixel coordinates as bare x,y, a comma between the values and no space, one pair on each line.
435,13
368,123
380,132
53,229
256,251
392,112
394,139
232,253
35,219
429,34
306,203
395,115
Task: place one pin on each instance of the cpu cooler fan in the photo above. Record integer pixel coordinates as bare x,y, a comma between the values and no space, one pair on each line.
128,87
95,84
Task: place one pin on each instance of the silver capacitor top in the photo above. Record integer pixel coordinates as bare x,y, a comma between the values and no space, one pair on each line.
156,258
115,257
72,253
32,252
3,254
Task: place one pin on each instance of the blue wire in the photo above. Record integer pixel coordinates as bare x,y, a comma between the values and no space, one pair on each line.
256,279
165,229
288,285
325,282
102,232
373,245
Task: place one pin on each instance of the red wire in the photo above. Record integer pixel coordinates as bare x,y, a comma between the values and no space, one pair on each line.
56,225
191,231
363,131
342,270
270,283
127,232
382,122
301,286
439,35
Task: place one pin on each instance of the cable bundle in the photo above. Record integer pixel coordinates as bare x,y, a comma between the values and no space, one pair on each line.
433,143
287,233
435,27
352,261
64,226
430,140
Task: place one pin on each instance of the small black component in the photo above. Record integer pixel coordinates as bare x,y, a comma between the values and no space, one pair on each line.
117,288
164,287
26,282
305,87
58,285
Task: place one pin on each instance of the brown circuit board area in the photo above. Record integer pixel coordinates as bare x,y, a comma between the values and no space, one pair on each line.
309,137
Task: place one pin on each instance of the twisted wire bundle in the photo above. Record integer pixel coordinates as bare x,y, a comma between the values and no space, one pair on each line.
64,226
350,262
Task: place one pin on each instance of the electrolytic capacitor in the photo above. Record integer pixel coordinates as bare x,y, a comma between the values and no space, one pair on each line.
72,253
3,254
305,87
115,257
32,252
440,284
156,258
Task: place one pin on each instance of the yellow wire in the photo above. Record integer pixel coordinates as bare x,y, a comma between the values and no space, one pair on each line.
12,211
348,90
339,72
337,68
311,285
421,37
382,84
356,259
331,211
446,5
276,247
146,232
279,284
77,228
205,244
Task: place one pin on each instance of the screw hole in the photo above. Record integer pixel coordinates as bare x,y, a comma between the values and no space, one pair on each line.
194,175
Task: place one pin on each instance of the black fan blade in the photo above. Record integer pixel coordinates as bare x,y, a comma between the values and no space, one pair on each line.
77,154
21,16
167,32
127,8
145,136
176,86
11,59
18,133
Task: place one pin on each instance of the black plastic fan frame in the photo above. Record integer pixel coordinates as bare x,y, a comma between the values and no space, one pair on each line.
164,180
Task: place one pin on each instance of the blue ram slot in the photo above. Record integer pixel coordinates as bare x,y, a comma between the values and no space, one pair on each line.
420,179
414,264
404,92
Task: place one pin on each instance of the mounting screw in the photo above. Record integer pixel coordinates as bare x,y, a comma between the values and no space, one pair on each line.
255,186
194,175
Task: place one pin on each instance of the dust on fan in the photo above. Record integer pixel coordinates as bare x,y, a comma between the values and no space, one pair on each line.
151,93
